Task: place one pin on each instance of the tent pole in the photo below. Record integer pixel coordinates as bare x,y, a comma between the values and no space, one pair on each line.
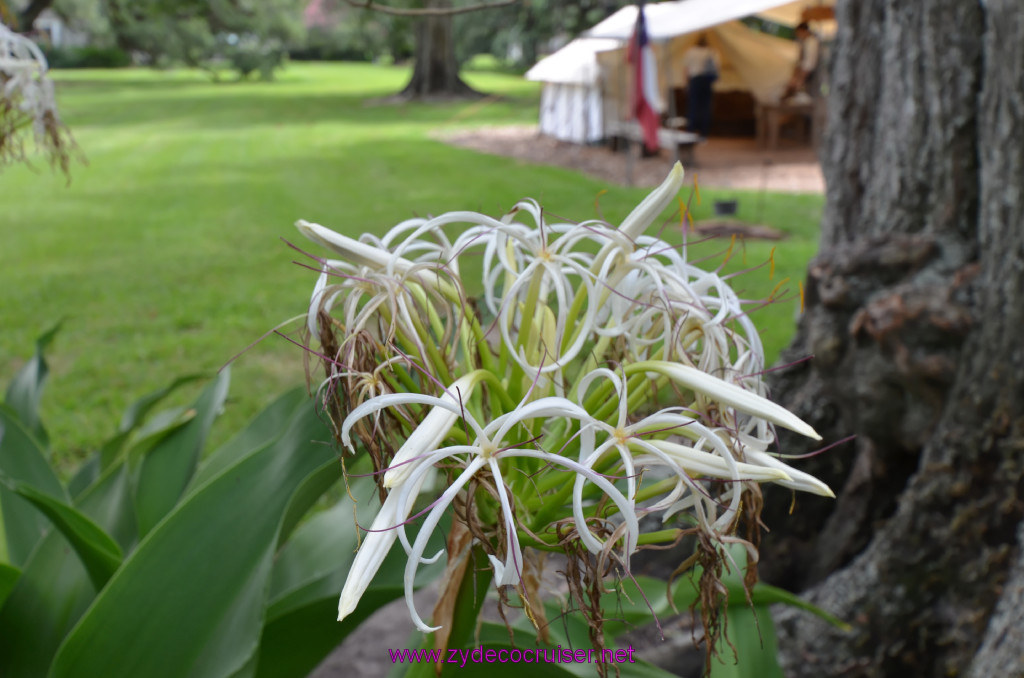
624,93
666,63
630,152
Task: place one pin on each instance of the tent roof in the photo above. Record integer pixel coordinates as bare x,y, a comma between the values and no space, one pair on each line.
573,64
666,20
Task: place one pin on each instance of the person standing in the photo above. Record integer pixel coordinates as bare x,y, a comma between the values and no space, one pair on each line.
804,78
701,64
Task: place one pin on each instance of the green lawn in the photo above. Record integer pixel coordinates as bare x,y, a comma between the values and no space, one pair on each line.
165,254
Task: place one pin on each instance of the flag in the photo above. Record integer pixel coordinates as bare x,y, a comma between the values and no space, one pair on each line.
646,103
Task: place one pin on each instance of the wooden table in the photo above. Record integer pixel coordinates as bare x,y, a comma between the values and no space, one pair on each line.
771,116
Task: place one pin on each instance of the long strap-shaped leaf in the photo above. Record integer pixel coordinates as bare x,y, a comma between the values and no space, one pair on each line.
26,388
190,600
99,553
8,576
23,459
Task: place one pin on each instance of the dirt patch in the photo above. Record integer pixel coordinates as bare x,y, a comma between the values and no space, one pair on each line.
728,228
719,163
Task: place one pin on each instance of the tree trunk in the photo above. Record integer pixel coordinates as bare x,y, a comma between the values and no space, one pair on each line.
436,70
912,313
27,17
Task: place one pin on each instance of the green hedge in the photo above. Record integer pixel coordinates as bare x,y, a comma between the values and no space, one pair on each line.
87,57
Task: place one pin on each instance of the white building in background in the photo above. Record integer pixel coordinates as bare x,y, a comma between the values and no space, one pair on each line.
53,30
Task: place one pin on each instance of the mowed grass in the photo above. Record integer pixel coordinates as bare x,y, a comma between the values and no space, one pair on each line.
165,254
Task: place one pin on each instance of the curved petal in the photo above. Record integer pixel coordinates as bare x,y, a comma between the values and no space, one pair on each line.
729,394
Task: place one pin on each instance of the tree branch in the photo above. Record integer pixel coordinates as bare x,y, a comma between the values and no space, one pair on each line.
428,11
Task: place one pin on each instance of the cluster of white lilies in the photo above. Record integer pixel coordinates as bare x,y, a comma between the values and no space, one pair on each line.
597,377
27,100
25,88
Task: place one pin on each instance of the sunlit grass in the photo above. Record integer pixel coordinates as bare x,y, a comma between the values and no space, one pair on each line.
165,254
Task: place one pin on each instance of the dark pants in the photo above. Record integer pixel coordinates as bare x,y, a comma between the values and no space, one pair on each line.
699,96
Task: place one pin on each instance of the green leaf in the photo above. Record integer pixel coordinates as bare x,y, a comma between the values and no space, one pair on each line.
100,554
766,594
50,595
260,431
26,389
134,416
8,576
22,460
168,467
190,600
753,649
686,593
85,475
55,590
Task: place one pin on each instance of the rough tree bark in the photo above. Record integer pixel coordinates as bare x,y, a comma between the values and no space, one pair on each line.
435,69
913,313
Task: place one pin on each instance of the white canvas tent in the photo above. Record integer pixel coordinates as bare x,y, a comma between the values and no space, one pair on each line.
570,103
586,82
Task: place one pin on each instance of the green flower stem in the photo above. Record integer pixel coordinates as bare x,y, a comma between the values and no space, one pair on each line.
659,537
437,361
574,312
655,489
406,379
420,296
529,309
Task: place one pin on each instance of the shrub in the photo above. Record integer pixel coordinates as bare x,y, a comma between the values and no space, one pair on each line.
87,57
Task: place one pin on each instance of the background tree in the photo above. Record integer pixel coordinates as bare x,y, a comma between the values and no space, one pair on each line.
27,16
435,66
192,31
520,33
913,310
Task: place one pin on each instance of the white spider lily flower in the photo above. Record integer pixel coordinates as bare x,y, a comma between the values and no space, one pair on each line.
629,439
487,450
727,393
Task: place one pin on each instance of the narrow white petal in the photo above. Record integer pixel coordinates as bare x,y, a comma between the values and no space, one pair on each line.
729,394
512,571
374,549
696,462
352,249
798,480
432,430
429,525
624,505
551,406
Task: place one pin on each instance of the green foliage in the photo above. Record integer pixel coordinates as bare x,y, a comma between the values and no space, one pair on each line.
26,389
252,56
223,584
521,33
98,552
87,57
195,31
